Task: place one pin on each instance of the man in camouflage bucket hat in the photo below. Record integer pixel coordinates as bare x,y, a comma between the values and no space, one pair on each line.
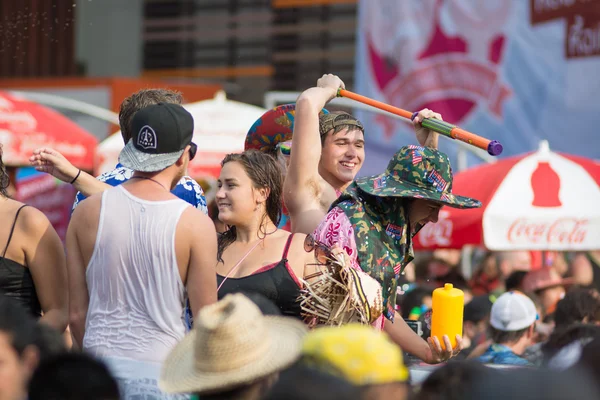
375,219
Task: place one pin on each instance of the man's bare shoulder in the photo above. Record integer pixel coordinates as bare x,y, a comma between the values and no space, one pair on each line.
194,220
88,209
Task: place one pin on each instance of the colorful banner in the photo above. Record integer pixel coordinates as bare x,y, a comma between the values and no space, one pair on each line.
517,71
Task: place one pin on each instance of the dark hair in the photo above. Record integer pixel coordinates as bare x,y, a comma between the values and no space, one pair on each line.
534,384
422,267
502,337
266,306
478,309
72,376
590,359
577,305
453,380
17,324
455,277
252,390
413,298
338,117
301,382
143,99
213,210
48,341
563,336
514,280
4,177
264,172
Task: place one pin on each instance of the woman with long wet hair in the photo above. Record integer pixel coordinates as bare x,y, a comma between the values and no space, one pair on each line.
253,254
32,259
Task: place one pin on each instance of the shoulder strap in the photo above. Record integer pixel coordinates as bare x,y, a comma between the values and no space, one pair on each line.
12,229
287,246
235,267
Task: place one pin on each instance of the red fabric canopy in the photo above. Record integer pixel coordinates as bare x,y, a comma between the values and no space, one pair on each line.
25,126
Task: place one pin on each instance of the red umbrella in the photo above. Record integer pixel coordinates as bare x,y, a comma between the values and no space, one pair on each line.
537,201
25,126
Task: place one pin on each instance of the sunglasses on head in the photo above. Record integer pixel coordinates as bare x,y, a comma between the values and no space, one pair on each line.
322,252
193,150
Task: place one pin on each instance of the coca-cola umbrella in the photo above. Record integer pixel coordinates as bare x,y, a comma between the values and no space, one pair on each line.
25,126
538,201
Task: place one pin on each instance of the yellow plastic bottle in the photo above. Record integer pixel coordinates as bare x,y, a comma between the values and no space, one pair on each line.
447,313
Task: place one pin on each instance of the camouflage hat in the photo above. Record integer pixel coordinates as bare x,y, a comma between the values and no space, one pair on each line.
272,128
417,172
334,119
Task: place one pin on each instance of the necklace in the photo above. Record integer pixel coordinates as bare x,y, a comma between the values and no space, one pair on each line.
150,179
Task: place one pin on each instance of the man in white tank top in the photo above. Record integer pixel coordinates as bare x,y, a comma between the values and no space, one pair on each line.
136,252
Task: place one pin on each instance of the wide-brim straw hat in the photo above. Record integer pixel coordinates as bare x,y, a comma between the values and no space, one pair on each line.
232,344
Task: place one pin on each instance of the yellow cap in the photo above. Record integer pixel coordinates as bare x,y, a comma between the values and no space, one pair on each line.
363,355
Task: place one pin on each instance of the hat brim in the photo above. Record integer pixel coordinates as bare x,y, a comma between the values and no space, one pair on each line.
410,190
273,127
513,326
132,158
180,376
567,282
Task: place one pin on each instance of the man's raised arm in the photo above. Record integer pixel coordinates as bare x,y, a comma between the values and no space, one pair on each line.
302,182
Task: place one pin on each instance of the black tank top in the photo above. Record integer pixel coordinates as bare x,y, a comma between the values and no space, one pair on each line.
276,281
16,281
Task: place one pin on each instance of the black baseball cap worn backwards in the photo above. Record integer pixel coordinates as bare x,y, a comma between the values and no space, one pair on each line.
161,132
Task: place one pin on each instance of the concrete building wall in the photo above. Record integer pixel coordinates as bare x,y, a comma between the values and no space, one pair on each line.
108,37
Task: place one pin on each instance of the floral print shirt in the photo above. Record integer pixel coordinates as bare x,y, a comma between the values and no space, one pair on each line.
187,189
337,229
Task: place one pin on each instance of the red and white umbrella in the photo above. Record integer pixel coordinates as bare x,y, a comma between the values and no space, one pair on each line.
539,201
25,126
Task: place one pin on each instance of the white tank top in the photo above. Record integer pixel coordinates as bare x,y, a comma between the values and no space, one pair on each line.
136,307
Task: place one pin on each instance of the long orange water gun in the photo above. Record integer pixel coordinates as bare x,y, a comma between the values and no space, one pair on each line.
493,147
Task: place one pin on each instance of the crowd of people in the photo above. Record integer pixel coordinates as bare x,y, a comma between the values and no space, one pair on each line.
155,299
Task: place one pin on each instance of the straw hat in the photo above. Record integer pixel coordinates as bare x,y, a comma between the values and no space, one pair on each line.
232,344
339,295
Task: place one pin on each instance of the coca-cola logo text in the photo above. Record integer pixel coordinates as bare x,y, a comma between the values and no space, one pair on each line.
582,23
561,231
548,10
438,234
583,38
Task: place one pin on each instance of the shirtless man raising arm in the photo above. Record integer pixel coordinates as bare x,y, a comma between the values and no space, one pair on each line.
327,153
